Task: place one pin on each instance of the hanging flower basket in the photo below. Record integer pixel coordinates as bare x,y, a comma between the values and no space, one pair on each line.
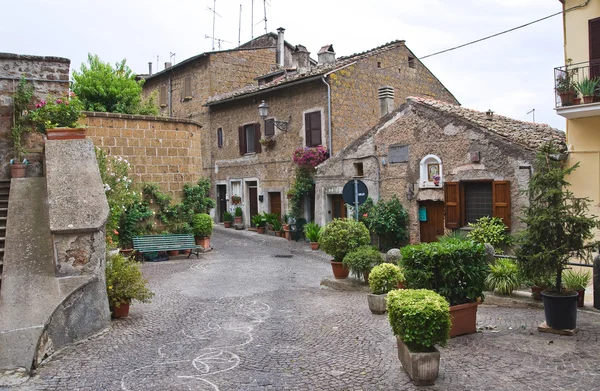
308,157
236,199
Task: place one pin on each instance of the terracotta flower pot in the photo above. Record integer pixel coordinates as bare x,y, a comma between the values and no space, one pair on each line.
203,241
126,252
65,133
260,230
121,311
185,252
173,253
464,319
227,224
18,170
536,292
588,99
314,246
237,219
401,285
339,270
581,298
278,233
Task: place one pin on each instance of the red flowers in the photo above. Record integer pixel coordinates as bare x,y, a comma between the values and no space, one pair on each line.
310,157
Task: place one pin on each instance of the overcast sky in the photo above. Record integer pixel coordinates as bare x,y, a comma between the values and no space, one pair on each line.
511,74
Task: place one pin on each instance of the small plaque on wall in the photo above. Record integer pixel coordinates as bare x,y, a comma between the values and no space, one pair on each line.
422,213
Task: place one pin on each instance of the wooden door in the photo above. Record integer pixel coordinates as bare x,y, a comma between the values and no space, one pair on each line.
253,195
275,203
434,224
338,207
221,200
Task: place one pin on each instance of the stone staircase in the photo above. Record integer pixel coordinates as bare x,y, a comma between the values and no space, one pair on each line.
4,192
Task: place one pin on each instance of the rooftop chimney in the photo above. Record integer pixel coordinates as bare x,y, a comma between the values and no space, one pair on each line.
386,100
150,69
280,48
301,57
326,55
168,65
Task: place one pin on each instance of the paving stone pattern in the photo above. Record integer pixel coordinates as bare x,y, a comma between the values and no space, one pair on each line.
247,317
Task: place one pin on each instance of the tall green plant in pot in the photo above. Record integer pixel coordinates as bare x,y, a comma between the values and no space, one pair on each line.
587,88
312,231
202,225
558,231
125,283
338,238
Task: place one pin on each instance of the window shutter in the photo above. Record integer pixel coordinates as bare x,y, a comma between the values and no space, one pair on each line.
594,38
242,137
163,96
257,145
307,129
452,203
312,123
187,94
270,127
501,201
220,137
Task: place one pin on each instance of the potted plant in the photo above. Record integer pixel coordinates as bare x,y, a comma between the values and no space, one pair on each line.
338,238
277,227
360,261
258,220
503,277
236,199
202,225
565,88
238,215
454,268
587,88
267,142
382,279
21,126
227,219
559,230
577,281
420,319
58,117
124,283
312,231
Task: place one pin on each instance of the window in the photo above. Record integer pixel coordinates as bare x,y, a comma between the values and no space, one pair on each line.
467,201
398,153
358,169
249,136
187,88
220,137
163,96
411,62
378,64
431,172
270,127
312,126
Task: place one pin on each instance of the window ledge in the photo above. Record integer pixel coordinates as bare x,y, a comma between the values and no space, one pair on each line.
250,154
431,186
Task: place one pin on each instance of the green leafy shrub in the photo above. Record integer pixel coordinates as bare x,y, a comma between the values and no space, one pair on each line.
312,231
340,236
21,122
388,220
64,111
490,230
384,278
238,212
259,220
362,260
576,280
202,224
277,226
228,217
503,277
453,236
421,318
455,269
125,282
302,186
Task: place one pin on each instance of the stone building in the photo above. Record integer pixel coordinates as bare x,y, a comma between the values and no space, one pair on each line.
329,104
448,165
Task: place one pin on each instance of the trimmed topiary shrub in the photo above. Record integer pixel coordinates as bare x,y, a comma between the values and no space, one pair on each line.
202,224
421,318
384,278
362,260
341,236
456,269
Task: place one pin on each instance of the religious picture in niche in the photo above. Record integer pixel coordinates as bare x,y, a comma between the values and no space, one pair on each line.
433,170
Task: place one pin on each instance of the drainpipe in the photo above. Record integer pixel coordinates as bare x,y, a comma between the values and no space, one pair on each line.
329,140
170,97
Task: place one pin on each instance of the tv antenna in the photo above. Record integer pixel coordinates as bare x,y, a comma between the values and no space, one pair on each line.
265,12
532,111
214,13
172,58
218,41
240,27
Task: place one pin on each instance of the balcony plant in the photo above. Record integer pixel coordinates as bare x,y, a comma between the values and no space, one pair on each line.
312,232
227,219
360,261
21,126
577,281
383,278
125,283
454,268
587,88
58,117
338,238
420,319
202,226
559,230
565,87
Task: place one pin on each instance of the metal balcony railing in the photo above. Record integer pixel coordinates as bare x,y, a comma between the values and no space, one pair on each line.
572,81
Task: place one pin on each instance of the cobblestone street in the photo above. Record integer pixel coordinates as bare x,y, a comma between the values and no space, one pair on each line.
251,315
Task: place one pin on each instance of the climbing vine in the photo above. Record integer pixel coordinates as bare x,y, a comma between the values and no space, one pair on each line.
302,186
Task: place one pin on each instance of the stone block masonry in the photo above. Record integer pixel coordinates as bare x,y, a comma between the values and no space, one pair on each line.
161,150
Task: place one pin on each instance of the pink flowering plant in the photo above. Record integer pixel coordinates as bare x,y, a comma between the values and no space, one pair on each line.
63,112
310,157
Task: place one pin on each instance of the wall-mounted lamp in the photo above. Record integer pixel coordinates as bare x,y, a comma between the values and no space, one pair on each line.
261,198
410,192
263,112
488,114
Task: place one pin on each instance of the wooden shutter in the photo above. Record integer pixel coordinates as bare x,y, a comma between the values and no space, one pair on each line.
594,43
163,96
242,137
501,201
269,127
452,203
312,122
257,145
187,88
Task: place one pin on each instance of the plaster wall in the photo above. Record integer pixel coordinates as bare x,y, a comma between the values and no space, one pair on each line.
576,29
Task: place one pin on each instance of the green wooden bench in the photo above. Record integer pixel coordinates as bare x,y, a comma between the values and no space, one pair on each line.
155,243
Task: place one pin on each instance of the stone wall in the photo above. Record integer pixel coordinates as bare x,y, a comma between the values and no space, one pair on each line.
49,76
161,150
